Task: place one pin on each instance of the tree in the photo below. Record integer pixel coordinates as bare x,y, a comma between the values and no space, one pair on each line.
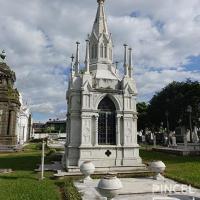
171,103
142,108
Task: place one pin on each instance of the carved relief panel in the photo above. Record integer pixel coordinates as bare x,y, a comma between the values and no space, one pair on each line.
86,131
86,101
128,131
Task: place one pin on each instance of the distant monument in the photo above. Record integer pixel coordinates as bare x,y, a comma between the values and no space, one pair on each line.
102,116
9,104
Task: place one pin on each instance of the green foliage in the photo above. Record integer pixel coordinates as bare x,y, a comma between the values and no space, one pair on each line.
143,121
52,127
70,191
174,99
48,129
53,155
36,140
13,93
51,151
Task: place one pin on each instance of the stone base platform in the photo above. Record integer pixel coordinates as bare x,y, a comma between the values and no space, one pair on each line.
57,167
122,170
142,189
116,169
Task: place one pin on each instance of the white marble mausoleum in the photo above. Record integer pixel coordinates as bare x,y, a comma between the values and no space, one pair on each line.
102,116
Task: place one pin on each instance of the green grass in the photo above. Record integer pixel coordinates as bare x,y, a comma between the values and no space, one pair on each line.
185,169
24,183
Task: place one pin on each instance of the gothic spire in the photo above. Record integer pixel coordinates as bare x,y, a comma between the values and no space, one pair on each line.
77,61
125,61
87,57
100,24
72,65
130,65
100,41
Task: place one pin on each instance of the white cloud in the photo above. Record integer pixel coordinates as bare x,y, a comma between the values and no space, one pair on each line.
43,108
39,37
150,82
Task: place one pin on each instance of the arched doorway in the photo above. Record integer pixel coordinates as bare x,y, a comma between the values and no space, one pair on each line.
107,122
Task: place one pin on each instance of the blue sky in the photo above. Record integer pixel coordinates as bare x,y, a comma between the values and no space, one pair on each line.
39,38
194,63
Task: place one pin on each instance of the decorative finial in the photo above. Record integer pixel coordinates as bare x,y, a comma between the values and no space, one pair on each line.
125,60
87,57
130,69
3,55
77,60
100,1
72,57
72,65
116,68
116,63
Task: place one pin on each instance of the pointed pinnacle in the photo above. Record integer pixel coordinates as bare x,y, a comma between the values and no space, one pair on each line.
100,1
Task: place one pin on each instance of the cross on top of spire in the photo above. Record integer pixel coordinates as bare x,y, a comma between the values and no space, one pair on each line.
100,1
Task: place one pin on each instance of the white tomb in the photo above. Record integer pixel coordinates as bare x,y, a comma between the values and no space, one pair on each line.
102,116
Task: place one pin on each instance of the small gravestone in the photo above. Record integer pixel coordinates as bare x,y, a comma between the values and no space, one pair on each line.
5,171
180,133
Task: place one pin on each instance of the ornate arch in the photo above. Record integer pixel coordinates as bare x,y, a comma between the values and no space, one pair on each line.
114,99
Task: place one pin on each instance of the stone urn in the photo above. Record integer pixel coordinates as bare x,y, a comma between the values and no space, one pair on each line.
87,168
109,186
157,167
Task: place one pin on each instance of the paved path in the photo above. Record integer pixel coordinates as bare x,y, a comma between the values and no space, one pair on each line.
142,189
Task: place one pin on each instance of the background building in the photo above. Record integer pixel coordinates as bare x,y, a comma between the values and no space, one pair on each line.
38,128
54,128
9,104
24,123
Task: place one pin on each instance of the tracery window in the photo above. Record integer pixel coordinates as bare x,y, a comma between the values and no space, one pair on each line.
110,54
107,122
95,51
101,51
105,52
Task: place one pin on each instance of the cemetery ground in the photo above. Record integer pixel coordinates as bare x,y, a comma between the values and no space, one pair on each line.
24,183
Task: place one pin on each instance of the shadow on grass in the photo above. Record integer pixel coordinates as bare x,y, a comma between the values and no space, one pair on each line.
15,177
61,186
9,177
67,189
20,162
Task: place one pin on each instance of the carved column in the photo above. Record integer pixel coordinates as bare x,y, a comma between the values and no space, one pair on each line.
118,130
96,130
14,118
10,124
1,122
